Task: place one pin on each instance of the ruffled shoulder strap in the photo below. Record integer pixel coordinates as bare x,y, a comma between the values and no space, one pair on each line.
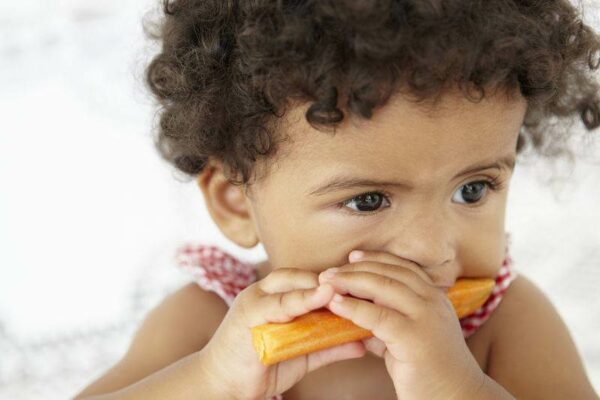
215,270
504,277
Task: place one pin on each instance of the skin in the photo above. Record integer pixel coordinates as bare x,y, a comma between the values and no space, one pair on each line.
437,227
430,226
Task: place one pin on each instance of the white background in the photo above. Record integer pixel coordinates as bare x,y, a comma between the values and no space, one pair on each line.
90,215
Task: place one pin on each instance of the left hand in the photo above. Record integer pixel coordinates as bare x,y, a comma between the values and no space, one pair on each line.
415,327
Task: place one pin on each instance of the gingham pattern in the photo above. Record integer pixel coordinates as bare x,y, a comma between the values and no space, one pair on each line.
216,270
505,276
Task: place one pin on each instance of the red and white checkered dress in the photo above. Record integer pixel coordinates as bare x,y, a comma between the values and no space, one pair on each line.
216,270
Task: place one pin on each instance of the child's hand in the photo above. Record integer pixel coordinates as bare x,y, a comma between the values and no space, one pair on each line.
280,297
414,324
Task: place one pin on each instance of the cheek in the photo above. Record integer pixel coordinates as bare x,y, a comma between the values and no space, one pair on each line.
483,256
313,246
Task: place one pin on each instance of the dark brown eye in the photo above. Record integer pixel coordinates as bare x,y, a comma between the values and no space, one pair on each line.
366,202
472,192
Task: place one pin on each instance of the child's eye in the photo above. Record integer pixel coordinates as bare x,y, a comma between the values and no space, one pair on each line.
368,203
473,192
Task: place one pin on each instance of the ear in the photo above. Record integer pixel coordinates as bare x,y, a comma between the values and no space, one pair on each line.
228,206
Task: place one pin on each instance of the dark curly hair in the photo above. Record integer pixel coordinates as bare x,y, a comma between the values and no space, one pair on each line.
229,69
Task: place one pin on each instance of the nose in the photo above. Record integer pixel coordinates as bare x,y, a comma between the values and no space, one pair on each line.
427,240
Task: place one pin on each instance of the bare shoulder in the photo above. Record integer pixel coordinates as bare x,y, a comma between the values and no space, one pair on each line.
532,354
180,325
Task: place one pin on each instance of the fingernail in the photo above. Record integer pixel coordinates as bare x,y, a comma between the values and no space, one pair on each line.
356,255
328,274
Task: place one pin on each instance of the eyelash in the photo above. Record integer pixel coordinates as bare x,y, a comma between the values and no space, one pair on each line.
494,184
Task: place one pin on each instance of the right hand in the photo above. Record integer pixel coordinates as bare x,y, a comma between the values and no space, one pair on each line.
280,297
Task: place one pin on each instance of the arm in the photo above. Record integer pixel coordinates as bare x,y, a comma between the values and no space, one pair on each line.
185,379
532,354
166,348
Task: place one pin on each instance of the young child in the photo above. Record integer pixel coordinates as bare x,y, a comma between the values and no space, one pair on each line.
390,127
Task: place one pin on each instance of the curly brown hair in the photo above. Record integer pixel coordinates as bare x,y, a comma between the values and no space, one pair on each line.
229,69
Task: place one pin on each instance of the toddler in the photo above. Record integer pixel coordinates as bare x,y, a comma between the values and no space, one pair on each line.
369,146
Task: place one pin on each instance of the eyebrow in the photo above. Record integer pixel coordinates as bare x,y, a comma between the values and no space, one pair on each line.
344,181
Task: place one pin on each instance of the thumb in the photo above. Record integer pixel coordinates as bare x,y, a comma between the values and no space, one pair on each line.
288,372
341,352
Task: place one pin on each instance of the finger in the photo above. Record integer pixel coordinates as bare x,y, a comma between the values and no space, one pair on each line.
285,306
385,323
399,273
341,352
286,279
388,258
375,345
312,361
381,289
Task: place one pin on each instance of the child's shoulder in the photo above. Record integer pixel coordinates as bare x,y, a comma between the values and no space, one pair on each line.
531,352
181,324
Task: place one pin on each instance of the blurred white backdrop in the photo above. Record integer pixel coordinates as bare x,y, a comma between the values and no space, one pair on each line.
90,215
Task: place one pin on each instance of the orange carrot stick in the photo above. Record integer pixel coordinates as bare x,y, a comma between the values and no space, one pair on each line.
320,329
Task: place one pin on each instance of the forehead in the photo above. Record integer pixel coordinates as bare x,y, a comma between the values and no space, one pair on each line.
404,139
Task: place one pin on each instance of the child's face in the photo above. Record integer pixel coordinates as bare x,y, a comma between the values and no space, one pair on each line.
445,227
